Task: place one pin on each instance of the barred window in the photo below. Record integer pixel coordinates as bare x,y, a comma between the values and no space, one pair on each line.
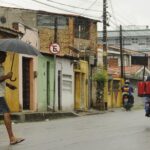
49,21
82,28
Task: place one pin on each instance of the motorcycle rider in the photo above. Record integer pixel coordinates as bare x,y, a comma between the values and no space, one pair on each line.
127,90
147,102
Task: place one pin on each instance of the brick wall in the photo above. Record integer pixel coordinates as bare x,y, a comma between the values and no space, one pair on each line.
46,35
113,62
66,38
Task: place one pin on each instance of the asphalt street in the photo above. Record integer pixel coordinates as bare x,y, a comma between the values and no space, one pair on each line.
118,130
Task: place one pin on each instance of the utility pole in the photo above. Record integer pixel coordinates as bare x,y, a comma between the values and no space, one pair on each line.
55,30
55,41
104,35
121,53
105,52
144,66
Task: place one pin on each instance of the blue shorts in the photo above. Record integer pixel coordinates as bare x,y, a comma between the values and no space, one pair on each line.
3,106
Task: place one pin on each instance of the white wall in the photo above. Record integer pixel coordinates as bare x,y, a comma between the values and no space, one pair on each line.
99,57
67,84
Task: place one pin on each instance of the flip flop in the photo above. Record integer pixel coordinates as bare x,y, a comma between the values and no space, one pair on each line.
18,140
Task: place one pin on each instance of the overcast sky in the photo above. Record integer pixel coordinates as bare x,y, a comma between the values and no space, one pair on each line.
129,12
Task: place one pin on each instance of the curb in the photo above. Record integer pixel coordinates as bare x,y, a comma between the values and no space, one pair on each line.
36,116
42,116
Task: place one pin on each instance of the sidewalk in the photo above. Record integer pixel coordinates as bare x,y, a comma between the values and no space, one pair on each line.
42,116
38,116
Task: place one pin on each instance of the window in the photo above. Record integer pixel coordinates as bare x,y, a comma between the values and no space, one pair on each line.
67,82
67,76
49,21
142,44
82,28
148,41
117,41
127,42
67,86
134,40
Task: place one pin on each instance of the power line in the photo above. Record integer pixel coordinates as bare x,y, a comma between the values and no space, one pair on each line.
119,19
89,7
73,6
113,10
65,10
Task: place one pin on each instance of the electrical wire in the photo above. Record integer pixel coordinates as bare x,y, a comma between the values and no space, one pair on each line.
85,15
73,6
113,12
89,7
117,19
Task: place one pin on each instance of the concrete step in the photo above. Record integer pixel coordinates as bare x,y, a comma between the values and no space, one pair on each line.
39,116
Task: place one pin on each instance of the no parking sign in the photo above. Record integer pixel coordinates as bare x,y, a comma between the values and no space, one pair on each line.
54,48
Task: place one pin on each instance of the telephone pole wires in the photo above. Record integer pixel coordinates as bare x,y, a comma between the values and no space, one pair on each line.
121,54
105,61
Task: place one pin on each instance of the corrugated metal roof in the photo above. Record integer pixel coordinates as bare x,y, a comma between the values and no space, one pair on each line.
129,70
89,8
127,33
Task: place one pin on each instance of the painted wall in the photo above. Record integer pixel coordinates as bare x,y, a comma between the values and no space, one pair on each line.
31,37
12,96
115,93
23,16
81,86
16,104
45,95
66,84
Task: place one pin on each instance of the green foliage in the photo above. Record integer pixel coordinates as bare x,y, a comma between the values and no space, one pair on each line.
100,76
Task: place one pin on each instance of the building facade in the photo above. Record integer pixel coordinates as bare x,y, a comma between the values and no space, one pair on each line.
52,80
136,38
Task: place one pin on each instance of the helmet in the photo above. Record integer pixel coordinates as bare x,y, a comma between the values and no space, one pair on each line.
127,82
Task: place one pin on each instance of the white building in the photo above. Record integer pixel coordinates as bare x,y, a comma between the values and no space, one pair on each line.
134,37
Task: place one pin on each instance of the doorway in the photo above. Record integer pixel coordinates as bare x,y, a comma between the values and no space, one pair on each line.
48,85
27,86
59,89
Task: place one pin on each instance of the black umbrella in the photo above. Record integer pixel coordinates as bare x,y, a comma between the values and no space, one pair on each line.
17,46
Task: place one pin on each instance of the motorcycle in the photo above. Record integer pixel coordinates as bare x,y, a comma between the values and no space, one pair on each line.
147,108
128,101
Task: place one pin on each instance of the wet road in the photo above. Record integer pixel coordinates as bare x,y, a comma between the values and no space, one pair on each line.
117,130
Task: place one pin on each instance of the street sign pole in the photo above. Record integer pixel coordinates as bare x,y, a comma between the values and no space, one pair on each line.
54,49
54,97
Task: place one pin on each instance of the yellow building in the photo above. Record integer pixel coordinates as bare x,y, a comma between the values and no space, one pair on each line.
81,85
12,96
115,93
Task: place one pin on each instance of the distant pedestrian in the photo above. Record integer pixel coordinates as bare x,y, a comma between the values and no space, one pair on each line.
4,109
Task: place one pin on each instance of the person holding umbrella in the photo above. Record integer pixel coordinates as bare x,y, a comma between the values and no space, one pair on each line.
4,109
15,46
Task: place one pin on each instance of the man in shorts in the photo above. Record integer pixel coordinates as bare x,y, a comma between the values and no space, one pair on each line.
4,109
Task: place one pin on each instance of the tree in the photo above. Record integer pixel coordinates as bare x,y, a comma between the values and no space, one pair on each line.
100,79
